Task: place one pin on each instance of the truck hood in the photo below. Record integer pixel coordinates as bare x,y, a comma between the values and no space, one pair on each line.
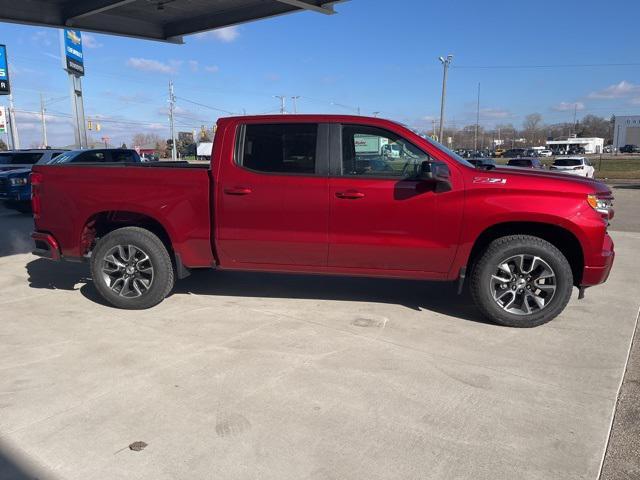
16,172
542,180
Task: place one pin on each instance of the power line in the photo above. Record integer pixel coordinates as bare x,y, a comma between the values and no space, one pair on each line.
567,65
205,106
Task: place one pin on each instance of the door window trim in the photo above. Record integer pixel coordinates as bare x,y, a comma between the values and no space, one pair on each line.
321,156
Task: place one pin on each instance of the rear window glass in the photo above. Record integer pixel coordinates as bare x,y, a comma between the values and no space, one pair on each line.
124,156
90,157
280,148
567,162
19,158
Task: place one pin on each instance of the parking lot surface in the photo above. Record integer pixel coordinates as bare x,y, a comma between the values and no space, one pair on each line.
242,375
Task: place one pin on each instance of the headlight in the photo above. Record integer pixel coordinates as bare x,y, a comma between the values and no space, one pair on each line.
18,181
602,203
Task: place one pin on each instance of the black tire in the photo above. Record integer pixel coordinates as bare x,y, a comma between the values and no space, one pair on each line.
508,247
162,279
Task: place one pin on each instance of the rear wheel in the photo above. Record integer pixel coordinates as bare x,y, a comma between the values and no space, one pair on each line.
521,281
131,268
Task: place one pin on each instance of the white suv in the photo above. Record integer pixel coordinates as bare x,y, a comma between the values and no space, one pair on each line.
574,165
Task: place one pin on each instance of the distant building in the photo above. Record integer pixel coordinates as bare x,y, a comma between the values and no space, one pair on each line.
626,131
590,145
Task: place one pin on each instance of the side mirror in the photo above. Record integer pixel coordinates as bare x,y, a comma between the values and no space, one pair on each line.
434,171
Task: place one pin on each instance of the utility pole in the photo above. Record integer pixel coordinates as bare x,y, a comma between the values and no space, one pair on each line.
172,128
282,103
15,139
295,103
575,111
445,64
475,141
44,123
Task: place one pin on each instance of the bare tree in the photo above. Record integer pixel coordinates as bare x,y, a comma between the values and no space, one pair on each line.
531,126
140,139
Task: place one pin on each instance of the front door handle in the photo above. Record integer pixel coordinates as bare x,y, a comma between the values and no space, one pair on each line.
350,195
237,191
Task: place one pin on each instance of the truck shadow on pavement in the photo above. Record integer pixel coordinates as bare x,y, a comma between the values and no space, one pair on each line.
439,297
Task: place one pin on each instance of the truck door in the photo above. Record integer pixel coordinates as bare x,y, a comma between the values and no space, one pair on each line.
381,216
273,197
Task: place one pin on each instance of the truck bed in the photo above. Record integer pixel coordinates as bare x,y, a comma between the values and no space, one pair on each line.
174,195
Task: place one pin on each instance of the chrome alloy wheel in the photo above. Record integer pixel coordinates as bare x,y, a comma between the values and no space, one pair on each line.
127,271
523,284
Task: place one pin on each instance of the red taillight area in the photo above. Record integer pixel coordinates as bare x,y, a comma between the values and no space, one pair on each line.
36,184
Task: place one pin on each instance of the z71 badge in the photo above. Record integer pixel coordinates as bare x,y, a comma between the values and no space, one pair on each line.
492,180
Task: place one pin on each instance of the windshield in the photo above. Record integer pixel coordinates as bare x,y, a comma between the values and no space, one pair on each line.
451,153
567,162
66,156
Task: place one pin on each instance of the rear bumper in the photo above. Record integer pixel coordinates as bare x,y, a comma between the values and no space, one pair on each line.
598,272
46,246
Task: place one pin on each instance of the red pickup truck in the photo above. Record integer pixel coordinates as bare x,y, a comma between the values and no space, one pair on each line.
329,194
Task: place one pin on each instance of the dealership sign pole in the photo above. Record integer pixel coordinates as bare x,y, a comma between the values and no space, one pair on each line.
8,122
73,64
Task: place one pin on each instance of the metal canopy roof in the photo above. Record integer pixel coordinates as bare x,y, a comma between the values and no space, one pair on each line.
166,20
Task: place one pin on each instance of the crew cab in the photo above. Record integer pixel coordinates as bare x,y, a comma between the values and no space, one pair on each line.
290,193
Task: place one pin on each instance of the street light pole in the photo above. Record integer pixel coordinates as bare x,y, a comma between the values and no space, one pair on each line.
172,128
282,105
44,122
445,64
295,103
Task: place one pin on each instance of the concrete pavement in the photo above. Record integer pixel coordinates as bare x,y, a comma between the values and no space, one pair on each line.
289,377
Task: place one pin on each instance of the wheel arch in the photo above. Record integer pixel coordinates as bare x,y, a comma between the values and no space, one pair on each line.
562,238
101,223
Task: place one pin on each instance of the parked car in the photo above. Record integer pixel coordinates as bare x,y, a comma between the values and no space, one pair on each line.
15,188
574,165
99,155
608,149
529,162
13,159
577,150
545,153
514,153
284,194
498,152
482,162
531,152
630,149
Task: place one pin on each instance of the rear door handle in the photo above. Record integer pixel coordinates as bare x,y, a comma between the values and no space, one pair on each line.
350,195
237,191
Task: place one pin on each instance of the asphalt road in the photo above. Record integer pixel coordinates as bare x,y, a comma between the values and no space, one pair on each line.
240,375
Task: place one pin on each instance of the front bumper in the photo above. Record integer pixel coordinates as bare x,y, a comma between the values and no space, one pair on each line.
46,246
598,272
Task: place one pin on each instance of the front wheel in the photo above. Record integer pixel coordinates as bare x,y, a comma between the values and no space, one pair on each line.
131,268
521,281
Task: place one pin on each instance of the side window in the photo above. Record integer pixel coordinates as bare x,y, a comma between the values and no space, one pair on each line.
92,156
371,151
279,148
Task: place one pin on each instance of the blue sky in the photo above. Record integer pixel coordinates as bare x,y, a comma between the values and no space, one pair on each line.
376,55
